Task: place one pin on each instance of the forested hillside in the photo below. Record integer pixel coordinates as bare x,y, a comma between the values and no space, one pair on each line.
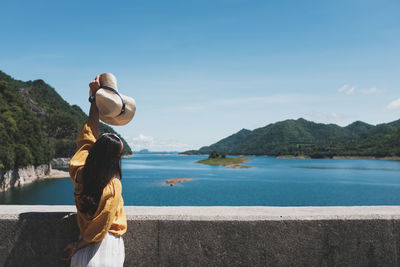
36,124
306,138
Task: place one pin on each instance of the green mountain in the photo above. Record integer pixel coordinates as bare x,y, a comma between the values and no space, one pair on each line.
306,138
36,124
224,144
359,127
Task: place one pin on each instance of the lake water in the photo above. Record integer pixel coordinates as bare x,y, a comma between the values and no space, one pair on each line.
272,182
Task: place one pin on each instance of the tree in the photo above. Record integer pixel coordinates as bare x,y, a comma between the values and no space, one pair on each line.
23,156
214,155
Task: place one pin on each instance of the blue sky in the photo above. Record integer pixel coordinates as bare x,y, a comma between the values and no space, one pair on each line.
202,70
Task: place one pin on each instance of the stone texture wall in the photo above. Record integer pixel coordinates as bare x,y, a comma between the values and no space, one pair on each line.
215,236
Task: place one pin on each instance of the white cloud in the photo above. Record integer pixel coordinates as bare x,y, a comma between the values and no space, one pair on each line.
395,104
141,142
347,89
372,90
152,144
343,88
350,91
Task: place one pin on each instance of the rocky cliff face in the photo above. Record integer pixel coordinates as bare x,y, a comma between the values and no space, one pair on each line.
60,163
22,176
29,174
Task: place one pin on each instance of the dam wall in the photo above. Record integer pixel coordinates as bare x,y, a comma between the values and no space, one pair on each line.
215,236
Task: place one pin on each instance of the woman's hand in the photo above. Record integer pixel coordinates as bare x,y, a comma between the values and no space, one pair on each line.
69,251
73,247
94,85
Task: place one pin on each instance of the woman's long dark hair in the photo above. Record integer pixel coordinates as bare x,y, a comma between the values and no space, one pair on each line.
102,164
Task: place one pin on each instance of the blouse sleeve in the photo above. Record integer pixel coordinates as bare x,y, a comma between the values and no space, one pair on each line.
98,227
86,138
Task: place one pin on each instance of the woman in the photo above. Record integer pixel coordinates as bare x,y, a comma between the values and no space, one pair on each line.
100,207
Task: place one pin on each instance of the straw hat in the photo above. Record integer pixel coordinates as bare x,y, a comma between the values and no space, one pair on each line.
114,108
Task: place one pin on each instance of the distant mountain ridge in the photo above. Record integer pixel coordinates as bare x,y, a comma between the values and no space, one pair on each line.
306,138
146,151
37,124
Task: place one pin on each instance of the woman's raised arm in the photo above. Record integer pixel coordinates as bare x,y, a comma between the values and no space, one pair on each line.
88,133
94,112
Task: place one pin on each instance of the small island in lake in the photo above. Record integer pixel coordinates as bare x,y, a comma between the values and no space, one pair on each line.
172,182
221,160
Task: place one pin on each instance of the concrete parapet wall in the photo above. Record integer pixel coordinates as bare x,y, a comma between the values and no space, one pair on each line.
215,236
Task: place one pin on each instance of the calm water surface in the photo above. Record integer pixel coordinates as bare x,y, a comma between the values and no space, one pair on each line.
273,182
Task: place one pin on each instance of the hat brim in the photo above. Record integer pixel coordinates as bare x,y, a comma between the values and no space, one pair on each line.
126,117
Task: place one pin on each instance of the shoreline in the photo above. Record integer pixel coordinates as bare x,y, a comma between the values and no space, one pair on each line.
223,161
174,181
336,157
238,166
55,174
394,158
374,158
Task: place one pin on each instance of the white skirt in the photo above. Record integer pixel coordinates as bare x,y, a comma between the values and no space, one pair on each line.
109,252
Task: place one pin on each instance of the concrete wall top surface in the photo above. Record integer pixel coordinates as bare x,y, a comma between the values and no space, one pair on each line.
230,213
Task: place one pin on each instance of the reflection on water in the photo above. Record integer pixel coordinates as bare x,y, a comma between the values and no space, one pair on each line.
273,182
